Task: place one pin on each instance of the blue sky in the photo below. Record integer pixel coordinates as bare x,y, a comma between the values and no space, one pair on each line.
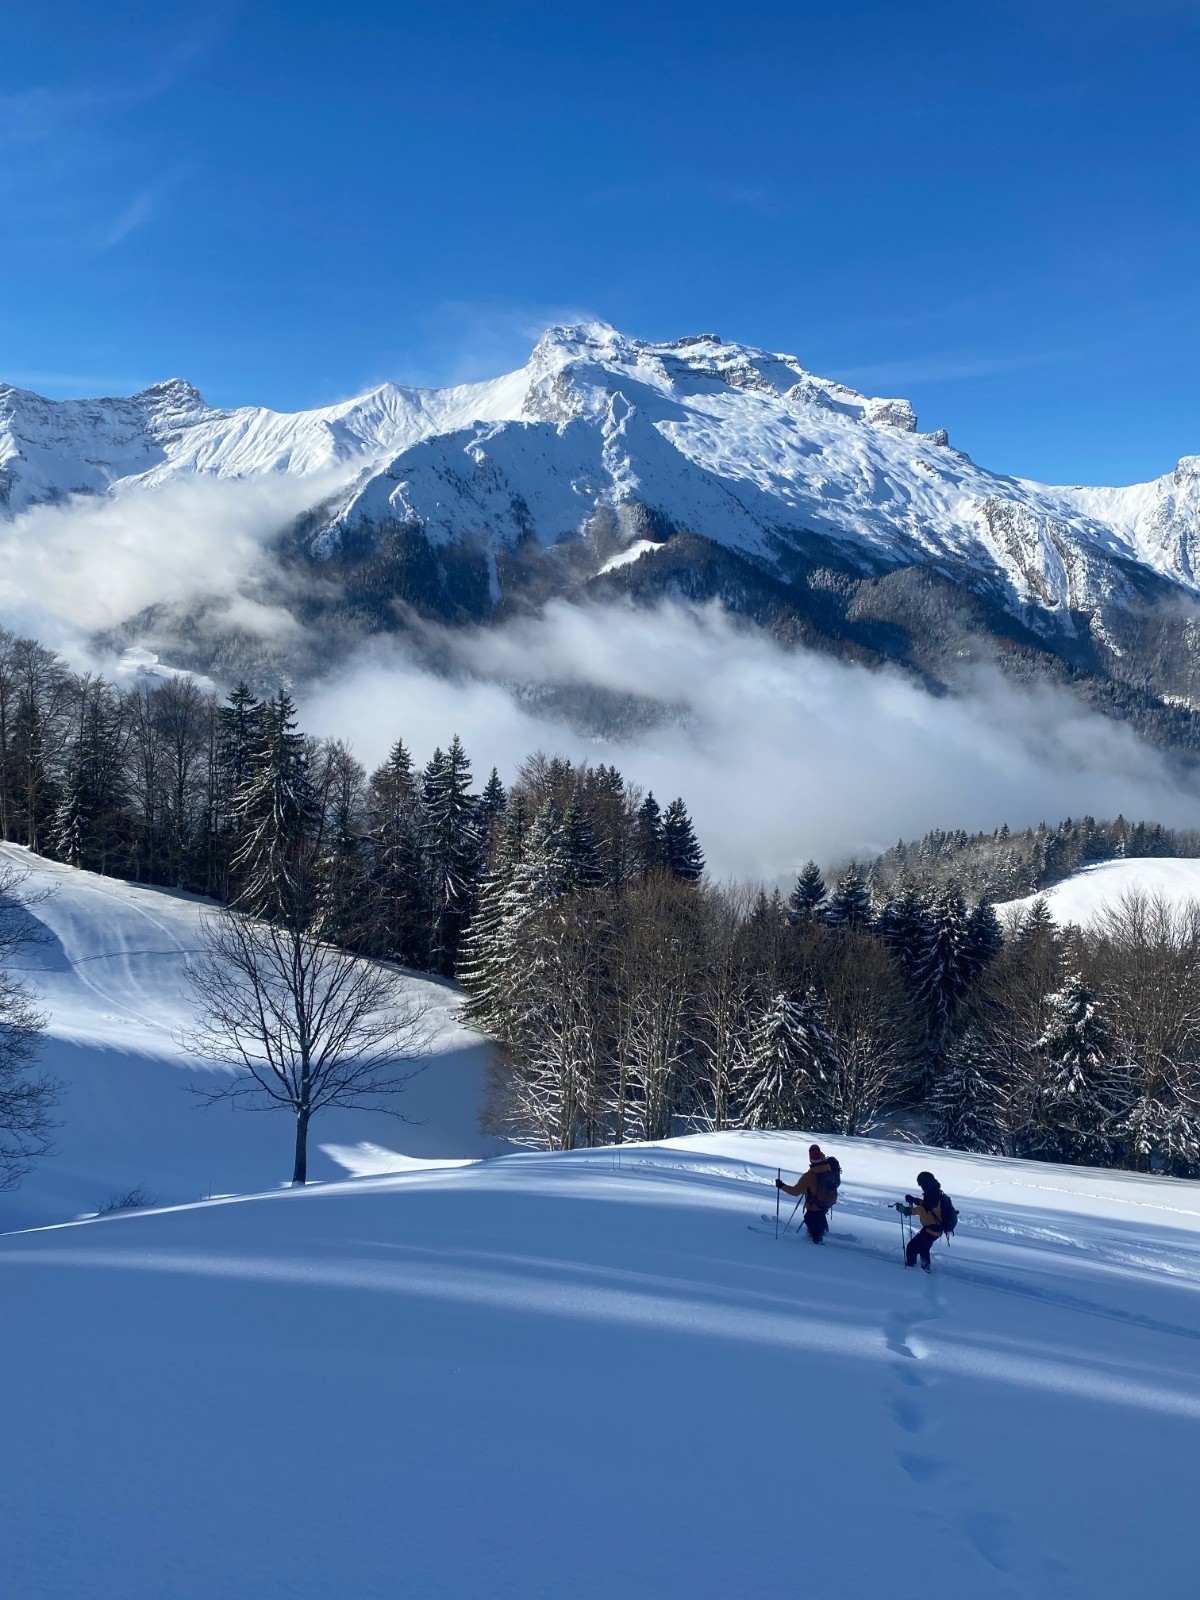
991,208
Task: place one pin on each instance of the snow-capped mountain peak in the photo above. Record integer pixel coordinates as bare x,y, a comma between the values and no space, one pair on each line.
743,447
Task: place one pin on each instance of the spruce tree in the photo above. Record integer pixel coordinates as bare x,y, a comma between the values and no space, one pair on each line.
393,843
493,802
850,903
274,817
969,1100
584,867
945,963
790,1065
452,849
239,728
903,925
805,900
682,854
649,834
1080,1090
984,938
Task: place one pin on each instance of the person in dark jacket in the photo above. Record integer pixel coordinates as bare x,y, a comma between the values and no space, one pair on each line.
929,1209
819,1187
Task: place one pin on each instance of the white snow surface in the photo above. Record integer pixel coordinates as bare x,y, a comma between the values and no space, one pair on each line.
588,1375
740,445
110,978
1089,894
592,1374
631,553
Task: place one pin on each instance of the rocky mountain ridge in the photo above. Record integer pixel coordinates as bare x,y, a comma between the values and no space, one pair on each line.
695,468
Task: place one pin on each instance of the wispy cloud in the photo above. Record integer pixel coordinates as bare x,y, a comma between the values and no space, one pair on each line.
131,217
64,154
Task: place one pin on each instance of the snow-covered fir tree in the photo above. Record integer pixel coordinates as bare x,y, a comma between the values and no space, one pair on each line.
92,807
946,961
239,728
790,1064
969,1098
903,925
1080,1096
984,936
849,905
345,912
274,816
585,870
451,848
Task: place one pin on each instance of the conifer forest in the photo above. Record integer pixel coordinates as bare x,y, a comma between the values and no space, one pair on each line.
630,996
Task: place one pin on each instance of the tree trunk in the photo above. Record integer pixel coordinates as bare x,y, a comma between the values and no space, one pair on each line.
300,1170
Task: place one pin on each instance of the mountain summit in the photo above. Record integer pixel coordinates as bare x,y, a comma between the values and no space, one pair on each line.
694,467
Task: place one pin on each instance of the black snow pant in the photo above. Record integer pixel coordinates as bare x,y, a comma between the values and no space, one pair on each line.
919,1245
817,1223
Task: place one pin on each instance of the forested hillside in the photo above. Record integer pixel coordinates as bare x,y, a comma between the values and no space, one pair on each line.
632,997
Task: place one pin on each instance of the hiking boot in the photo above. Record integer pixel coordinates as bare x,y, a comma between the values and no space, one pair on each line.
925,1267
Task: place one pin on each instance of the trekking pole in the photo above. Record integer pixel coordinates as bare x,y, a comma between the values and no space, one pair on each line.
791,1219
900,1215
778,1177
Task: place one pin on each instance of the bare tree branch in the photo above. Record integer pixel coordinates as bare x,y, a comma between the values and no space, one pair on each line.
303,1024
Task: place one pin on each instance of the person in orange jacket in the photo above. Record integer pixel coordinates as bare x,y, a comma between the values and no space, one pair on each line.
819,1186
929,1209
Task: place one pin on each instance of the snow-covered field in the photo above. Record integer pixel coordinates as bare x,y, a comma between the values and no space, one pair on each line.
595,1376
110,976
1095,890
586,1376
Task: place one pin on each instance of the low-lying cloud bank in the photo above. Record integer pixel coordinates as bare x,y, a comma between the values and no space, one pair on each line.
87,564
780,754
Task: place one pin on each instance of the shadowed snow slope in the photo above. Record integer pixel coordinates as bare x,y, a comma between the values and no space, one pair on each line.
110,976
1090,893
584,1375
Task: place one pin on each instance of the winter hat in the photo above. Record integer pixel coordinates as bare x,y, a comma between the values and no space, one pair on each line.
927,1180
814,1151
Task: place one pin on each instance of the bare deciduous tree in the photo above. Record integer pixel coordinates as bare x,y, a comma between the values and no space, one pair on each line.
303,1024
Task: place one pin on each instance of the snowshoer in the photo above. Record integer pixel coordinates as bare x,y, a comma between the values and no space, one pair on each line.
819,1186
929,1209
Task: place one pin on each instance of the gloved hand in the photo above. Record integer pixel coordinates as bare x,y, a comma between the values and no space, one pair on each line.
910,1200
899,1206
779,1183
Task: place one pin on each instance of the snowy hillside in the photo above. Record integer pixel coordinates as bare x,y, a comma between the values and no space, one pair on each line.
595,1375
109,975
1090,893
618,438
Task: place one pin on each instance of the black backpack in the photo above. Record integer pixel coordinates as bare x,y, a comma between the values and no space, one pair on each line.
949,1214
830,1182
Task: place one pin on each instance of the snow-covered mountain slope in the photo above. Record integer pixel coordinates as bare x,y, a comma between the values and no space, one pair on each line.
618,438
1091,893
53,448
110,978
584,1375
